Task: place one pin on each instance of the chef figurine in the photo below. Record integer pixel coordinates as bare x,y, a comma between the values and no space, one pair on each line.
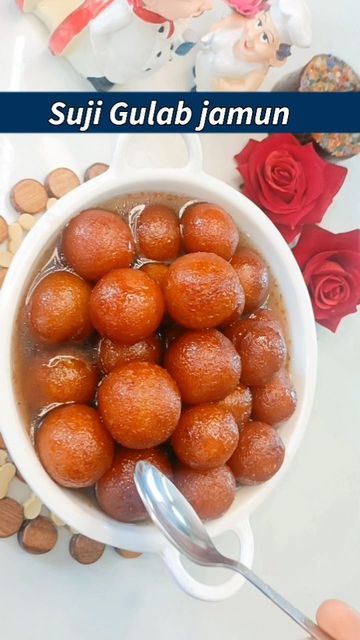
115,41
239,51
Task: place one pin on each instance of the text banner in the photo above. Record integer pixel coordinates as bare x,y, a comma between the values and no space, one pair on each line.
175,112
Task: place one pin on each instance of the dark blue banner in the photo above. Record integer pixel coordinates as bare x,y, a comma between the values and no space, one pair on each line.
176,112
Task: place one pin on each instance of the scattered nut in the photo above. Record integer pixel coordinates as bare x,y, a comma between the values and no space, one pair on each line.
38,536
11,517
95,170
7,473
84,550
5,259
15,232
57,521
32,507
129,555
28,196
14,246
60,181
3,230
26,221
3,457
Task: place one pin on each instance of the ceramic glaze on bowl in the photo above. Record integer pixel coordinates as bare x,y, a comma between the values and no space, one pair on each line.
72,507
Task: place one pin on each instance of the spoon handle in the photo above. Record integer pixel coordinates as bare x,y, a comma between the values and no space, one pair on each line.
302,620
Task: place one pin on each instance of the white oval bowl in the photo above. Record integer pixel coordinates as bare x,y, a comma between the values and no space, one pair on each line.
72,507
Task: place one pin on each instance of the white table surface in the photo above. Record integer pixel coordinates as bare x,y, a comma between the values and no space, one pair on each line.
306,535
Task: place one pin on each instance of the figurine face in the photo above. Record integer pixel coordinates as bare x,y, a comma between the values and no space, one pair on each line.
178,9
259,41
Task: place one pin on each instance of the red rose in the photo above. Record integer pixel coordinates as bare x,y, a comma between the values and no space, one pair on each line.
330,263
289,181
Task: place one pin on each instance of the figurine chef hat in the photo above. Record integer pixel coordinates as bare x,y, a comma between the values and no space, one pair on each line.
292,19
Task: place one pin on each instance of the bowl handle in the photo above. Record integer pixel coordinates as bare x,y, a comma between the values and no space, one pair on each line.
119,163
212,593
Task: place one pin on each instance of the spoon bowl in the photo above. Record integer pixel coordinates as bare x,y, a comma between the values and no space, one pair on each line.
180,524
174,515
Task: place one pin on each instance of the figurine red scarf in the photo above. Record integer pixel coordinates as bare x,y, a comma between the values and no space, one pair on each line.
149,16
79,19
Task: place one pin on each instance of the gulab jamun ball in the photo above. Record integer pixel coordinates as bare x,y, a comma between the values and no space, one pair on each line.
239,403
60,376
140,405
157,271
261,318
73,446
208,228
263,353
266,318
275,401
211,493
111,355
259,455
254,277
116,491
262,349
59,309
158,233
204,364
96,242
202,291
126,306
205,437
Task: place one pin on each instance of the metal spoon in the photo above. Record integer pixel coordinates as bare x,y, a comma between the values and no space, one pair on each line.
172,513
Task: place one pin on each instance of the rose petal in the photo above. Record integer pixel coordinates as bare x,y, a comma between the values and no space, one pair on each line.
320,264
330,290
315,240
331,319
331,267
289,181
245,153
282,172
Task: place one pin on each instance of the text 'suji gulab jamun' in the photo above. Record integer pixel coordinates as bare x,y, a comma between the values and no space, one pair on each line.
259,454
111,355
140,405
97,241
116,491
211,493
149,333
73,446
205,366
59,308
205,437
254,277
201,291
208,228
126,306
158,233
59,376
